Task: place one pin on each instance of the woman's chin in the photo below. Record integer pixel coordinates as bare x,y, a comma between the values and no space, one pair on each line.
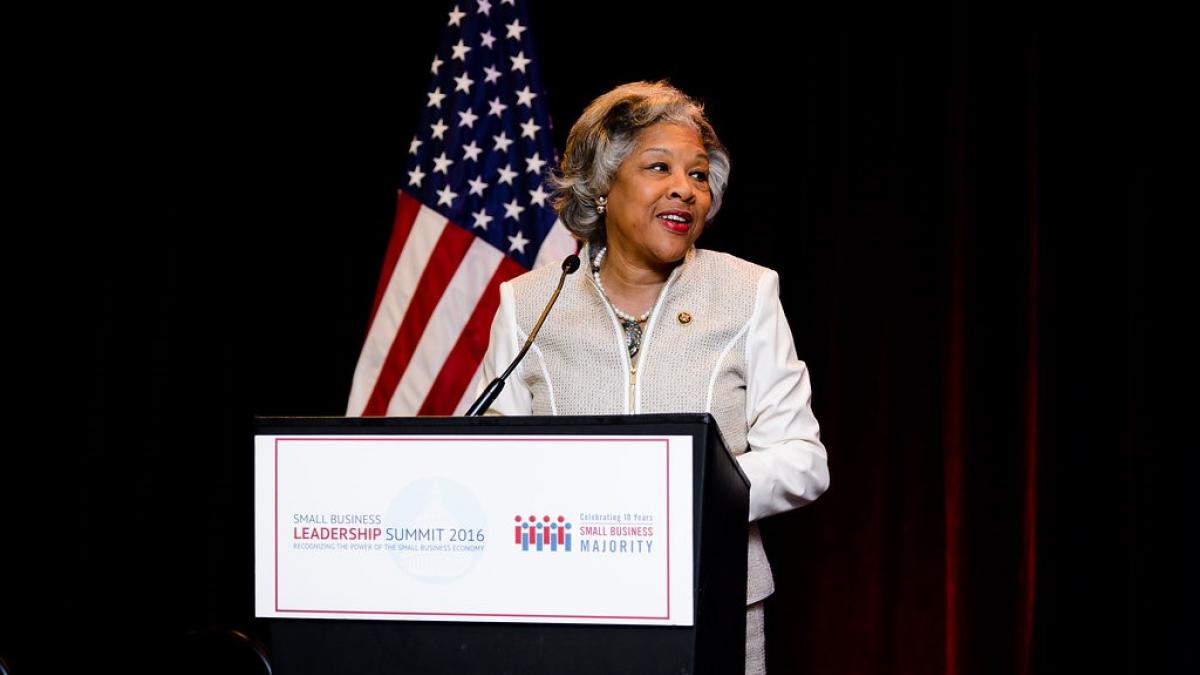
671,253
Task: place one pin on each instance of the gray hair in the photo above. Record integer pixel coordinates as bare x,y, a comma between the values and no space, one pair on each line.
606,133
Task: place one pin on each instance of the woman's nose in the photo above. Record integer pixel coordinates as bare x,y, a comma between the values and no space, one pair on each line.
681,187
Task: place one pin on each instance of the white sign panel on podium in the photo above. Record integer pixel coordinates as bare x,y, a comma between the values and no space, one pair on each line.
546,529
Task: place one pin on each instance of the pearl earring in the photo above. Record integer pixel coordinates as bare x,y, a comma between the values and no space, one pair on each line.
601,204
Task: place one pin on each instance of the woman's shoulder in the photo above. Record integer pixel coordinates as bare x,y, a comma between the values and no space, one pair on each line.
729,281
536,279
718,265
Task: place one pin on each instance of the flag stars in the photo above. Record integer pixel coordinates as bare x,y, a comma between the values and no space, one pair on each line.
487,39
482,219
414,145
496,107
515,29
534,164
478,185
507,175
513,210
437,63
456,16
466,118
491,75
435,98
529,129
502,142
415,177
517,241
446,196
538,196
463,83
519,61
525,97
439,129
471,151
460,51
484,7
442,163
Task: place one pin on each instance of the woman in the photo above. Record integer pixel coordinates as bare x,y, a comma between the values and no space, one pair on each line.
655,325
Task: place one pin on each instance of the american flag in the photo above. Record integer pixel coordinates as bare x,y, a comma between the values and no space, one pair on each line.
474,211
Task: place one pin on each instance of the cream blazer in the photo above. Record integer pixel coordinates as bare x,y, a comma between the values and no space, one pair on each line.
717,341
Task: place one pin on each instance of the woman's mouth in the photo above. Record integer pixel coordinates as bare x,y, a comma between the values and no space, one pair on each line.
676,221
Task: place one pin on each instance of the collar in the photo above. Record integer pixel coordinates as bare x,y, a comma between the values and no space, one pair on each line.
586,255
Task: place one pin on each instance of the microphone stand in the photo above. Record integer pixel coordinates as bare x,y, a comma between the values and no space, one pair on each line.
569,265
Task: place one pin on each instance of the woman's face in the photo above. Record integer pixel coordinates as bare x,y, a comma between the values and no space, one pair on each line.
660,196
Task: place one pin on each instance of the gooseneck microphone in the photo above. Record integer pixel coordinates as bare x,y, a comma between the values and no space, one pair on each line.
569,265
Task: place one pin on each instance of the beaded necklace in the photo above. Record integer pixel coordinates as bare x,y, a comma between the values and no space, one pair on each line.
631,324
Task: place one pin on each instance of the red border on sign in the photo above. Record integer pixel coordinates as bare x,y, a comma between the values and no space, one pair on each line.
545,439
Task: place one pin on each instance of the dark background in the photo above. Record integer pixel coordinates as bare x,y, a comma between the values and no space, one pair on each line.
968,208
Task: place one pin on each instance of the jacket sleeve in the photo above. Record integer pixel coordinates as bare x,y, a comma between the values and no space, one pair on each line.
505,342
786,463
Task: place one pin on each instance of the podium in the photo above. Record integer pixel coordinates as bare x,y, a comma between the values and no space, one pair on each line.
596,544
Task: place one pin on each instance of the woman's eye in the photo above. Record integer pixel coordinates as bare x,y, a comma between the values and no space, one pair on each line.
662,167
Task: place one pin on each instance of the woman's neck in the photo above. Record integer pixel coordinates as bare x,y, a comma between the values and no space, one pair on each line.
631,283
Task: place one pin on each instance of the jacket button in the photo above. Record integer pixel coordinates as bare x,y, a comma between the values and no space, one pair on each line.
684,318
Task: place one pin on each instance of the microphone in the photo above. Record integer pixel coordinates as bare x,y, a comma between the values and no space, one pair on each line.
569,265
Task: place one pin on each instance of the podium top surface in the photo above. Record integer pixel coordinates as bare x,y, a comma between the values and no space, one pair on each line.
592,423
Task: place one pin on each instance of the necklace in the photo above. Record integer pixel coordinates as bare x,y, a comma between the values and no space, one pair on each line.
631,324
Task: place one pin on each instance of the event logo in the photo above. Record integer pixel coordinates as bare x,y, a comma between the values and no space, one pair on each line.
543,534
435,530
